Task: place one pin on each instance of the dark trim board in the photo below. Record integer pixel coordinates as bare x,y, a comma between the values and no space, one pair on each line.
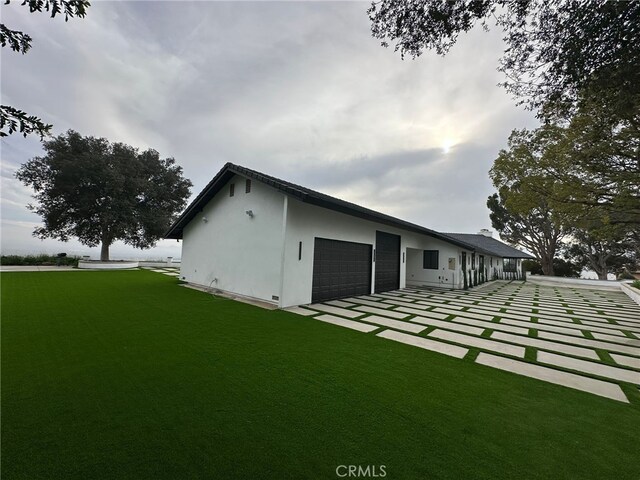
340,269
387,262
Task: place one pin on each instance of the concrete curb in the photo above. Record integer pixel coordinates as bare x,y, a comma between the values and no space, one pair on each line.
633,293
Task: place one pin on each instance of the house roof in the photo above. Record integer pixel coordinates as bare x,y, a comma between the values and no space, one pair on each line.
489,244
305,195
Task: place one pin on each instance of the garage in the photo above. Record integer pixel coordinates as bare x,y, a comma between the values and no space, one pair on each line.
340,269
387,262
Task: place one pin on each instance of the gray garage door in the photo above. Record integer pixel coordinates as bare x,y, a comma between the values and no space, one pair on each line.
387,262
340,269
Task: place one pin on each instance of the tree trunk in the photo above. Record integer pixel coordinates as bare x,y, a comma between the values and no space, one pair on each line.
104,251
546,262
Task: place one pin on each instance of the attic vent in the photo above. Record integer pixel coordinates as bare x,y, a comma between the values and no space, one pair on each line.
232,189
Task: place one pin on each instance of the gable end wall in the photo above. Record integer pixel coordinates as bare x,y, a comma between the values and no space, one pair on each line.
232,251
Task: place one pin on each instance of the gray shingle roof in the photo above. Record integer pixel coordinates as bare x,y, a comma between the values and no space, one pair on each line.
320,199
489,245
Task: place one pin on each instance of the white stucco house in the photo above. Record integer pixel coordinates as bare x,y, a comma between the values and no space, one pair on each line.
254,235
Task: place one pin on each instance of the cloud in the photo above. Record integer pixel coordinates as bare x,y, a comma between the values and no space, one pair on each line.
298,90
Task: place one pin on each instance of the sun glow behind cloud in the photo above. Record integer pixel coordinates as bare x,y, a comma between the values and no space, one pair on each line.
447,145
297,90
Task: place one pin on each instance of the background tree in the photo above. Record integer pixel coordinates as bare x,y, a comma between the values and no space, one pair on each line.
555,49
100,192
535,229
13,119
603,254
586,174
596,161
561,268
519,212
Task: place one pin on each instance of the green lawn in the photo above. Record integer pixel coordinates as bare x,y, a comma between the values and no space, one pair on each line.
126,375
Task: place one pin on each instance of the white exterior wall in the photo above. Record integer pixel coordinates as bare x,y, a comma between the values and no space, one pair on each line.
443,276
490,263
258,257
497,265
306,222
242,253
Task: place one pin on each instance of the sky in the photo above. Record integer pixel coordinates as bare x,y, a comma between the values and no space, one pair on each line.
297,90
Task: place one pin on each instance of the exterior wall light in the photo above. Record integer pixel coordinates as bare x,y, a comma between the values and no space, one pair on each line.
205,219
250,213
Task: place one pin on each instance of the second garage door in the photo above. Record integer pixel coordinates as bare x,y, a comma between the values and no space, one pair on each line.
387,262
340,269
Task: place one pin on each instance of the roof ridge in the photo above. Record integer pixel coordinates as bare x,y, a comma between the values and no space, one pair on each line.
307,195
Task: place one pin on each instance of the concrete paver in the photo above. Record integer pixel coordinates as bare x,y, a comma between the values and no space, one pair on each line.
301,311
590,367
335,310
479,342
397,324
578,382
627,361
381,311
343,322
553,321
421,342
553,346
614,347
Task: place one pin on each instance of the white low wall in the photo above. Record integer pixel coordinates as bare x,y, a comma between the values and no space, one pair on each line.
632,292
573,282
144,263
95,265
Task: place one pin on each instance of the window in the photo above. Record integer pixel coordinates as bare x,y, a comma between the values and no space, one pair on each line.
248,187
510,265
473,261
232,189
430,260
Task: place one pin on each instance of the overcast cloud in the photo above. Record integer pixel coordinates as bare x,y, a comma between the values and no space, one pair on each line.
300,91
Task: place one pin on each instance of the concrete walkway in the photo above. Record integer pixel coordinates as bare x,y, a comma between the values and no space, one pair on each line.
587,340
38,268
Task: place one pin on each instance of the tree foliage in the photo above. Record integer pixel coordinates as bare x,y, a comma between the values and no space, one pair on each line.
533,227
100,192
592,167
587,175
603,254
596,160
519,212
13,119
555,49
561,268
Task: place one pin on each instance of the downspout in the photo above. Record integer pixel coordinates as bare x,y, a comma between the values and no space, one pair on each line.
285,209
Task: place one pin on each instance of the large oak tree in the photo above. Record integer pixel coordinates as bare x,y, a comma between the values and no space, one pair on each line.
100,192
519,212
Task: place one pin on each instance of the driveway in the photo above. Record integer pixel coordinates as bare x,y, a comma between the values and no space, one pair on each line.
583,339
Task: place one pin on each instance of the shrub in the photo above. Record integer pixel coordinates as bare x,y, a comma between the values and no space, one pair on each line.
626,275
42,259
636,284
